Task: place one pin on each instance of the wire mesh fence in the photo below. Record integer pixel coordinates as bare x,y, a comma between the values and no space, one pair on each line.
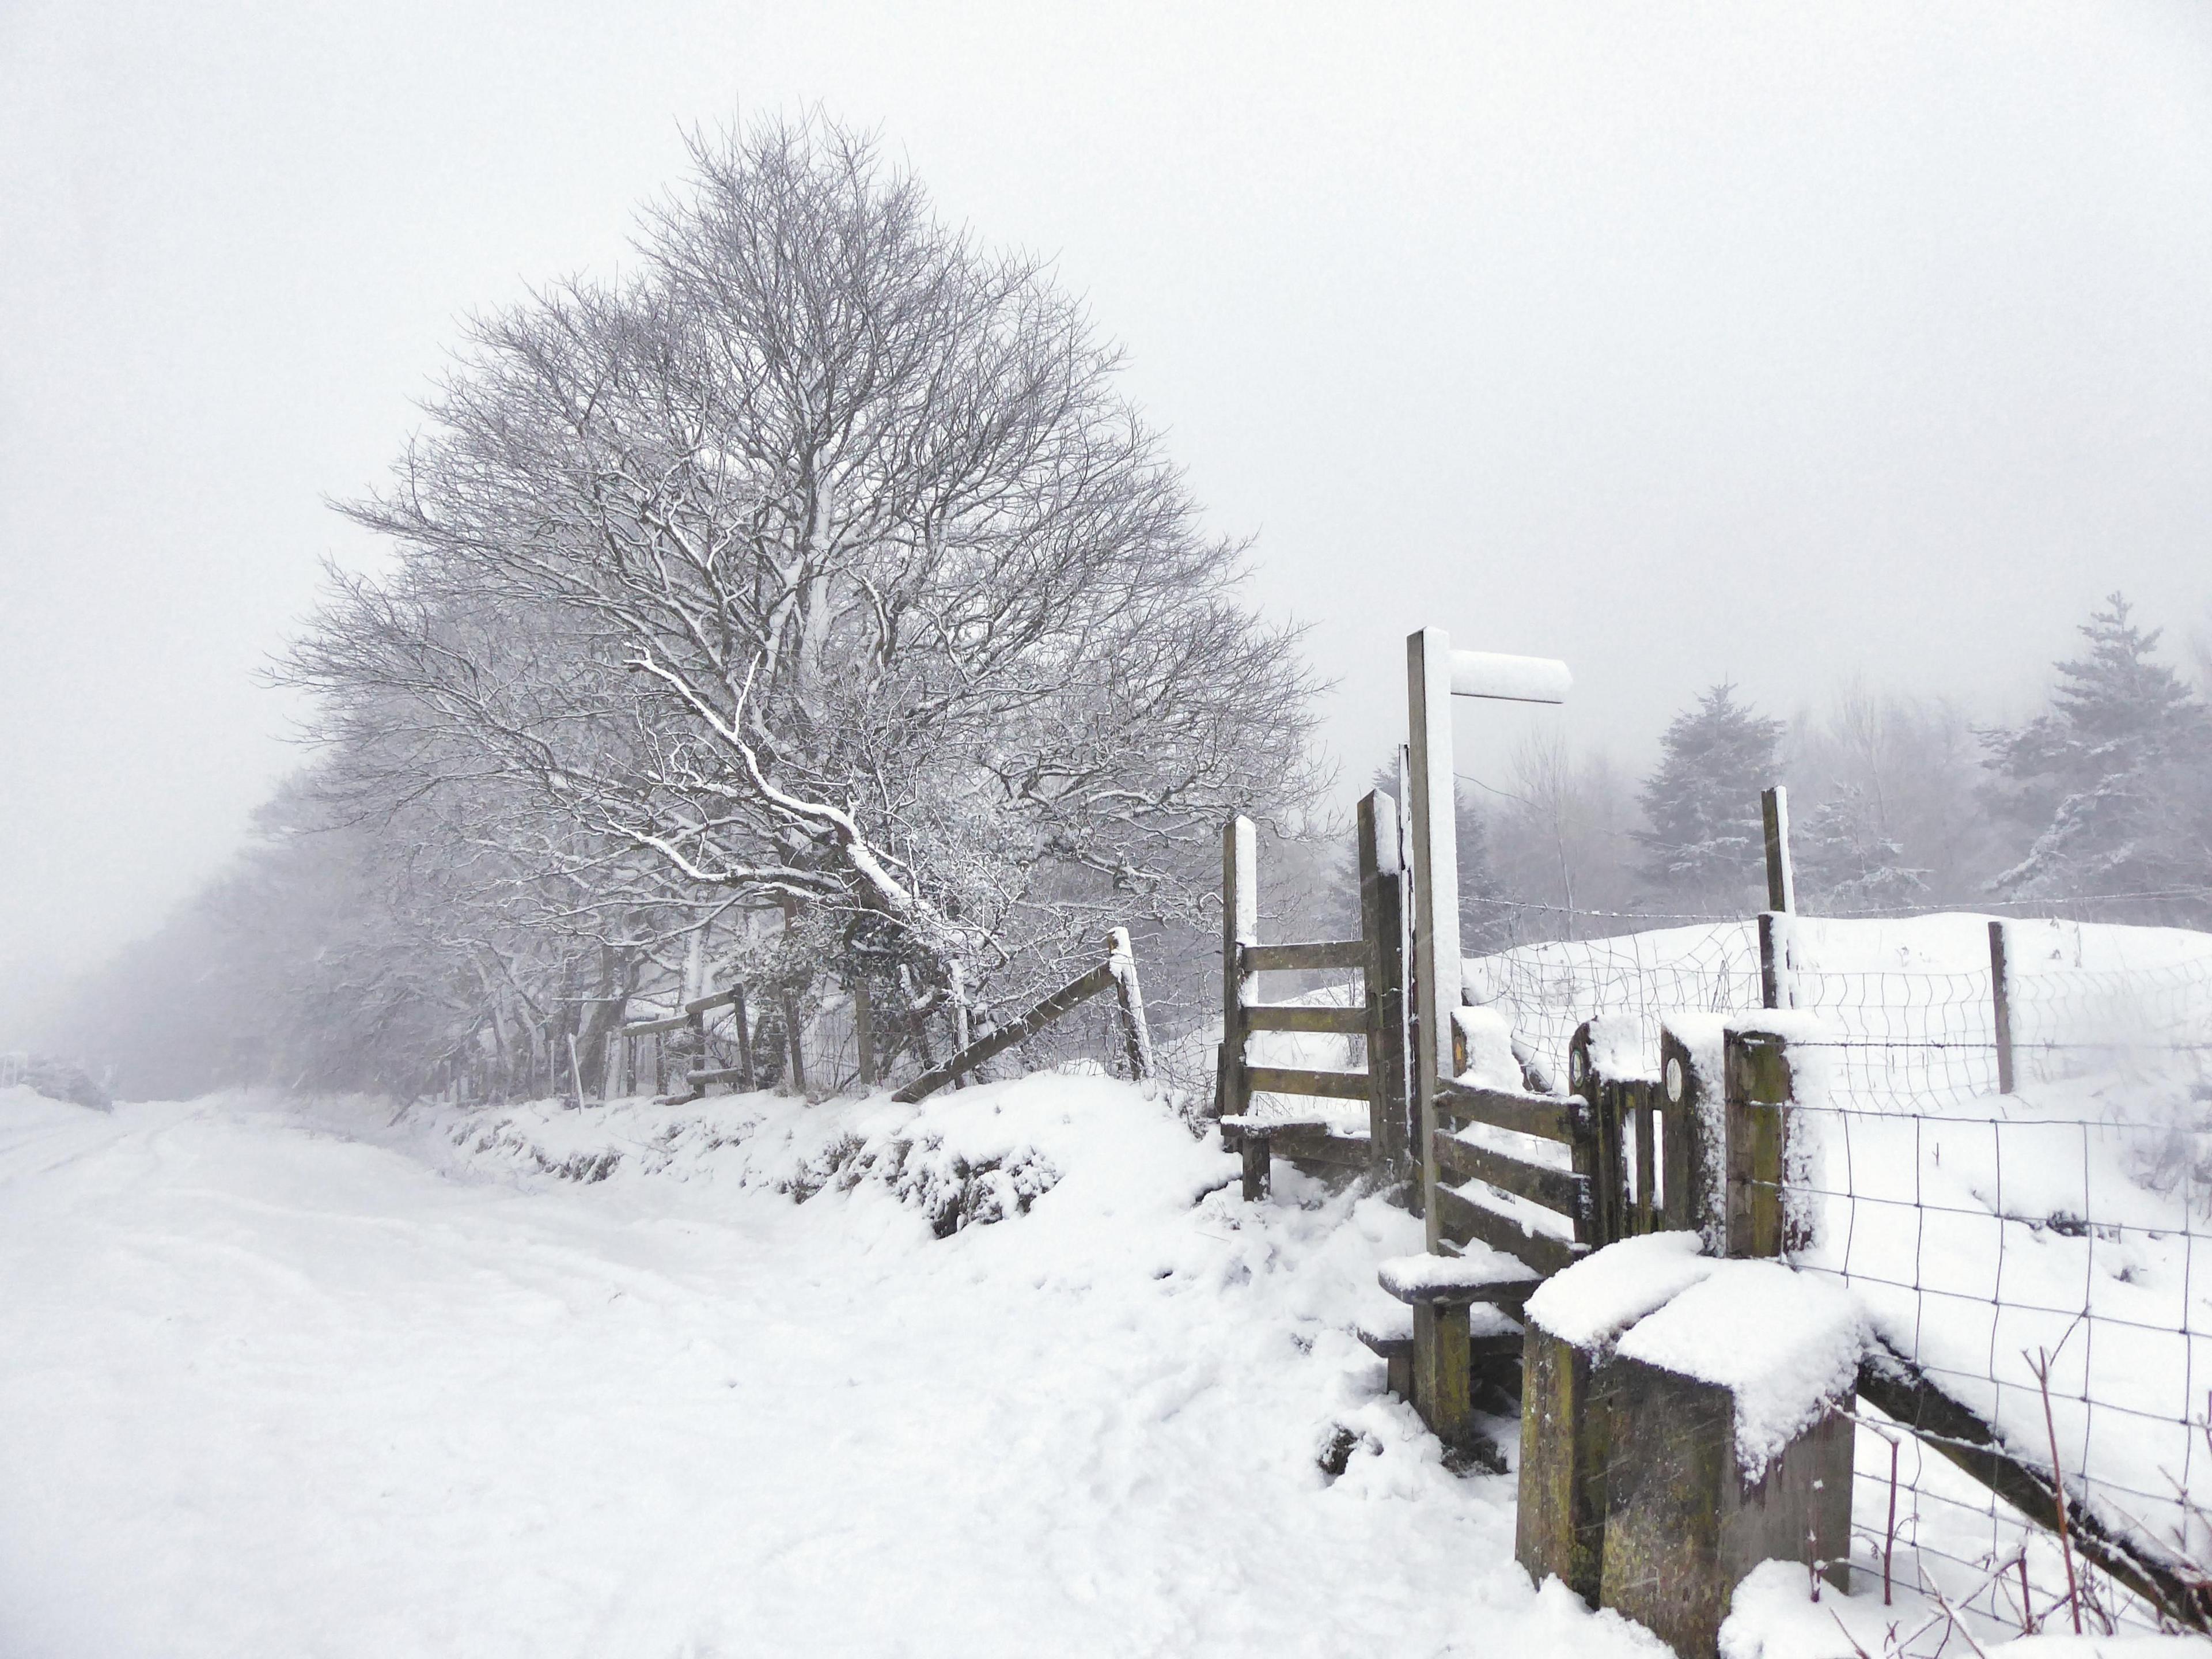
2034,1252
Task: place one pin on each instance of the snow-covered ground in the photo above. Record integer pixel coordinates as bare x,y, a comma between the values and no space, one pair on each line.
291,1381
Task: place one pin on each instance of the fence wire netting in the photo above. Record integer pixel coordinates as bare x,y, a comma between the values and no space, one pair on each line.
2033,1253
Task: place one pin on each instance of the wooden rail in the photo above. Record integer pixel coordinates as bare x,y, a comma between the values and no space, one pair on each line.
1337,1022
1291,1080
1555,1189
1305,958
1459,1104
1117,973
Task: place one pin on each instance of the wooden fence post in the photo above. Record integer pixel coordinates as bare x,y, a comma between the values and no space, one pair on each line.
1601,1155
1382,923
1781,877
1759,1095
1129,996
794,1042
2001,1002
1436,890
956,985
864,1035
747,1076
1774,987
575,1070
1695,1172
1240,926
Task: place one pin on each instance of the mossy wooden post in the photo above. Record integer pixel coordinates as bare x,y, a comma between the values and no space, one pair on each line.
1757,1064
1240,926
1560,1527
1693,1134
1442,1369
1383,924
1684,1523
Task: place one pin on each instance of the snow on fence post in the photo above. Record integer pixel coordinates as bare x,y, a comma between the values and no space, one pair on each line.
1136,1037
1781,876
1437,970
1382,924
1774,986
2001,1002
1694,1126
1240,926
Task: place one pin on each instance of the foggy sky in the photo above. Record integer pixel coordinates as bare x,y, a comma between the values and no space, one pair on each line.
1684,342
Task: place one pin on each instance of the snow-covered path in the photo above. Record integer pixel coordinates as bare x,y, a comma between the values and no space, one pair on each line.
269,1390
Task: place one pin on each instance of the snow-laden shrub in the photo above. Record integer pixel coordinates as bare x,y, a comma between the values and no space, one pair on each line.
57,1079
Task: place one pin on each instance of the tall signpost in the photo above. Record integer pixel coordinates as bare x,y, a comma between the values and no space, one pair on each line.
1435,674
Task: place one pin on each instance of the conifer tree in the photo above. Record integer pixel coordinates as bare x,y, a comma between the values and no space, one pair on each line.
2114,781
1706,839
1847,861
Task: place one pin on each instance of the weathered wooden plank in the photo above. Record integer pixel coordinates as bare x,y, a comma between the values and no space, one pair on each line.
1062,1002
1310,1144
1555,1189
1336,1022
1292,1080
1303,957
719,1000
1463,1220
722,1074
655,1027
1460,1104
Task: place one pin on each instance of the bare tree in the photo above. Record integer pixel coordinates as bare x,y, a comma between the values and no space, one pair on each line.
815,566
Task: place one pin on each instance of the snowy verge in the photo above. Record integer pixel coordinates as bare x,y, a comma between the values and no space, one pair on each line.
1773,1616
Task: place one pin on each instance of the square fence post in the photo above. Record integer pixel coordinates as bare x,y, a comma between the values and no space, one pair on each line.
2001,1002
1383,924
1760,1092
1693,1133
863,1033
1436,890
1240,926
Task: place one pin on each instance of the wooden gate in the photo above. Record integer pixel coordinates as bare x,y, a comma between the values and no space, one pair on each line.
1386,1142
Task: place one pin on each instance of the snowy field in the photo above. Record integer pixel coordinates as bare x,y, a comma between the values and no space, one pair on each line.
283,1381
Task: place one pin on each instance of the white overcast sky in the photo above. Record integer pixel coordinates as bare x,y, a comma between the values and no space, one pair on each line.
1683,341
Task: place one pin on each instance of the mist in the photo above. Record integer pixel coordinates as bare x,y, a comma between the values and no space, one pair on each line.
1790,350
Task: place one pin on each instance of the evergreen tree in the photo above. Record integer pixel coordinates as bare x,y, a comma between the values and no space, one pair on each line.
1847,861
2114,781
1705,839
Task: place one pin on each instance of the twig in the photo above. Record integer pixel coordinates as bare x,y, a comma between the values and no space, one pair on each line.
2041,1366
